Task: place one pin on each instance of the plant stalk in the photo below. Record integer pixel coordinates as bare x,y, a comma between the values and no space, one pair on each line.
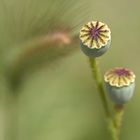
99,84
117,122
113,122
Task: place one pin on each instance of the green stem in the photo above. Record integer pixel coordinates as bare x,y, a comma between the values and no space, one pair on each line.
113,122
116,122
99,83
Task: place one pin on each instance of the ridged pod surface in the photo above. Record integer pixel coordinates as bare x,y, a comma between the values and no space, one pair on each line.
95,38
120,84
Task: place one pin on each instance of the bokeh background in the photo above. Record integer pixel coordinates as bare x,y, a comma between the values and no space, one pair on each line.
46,86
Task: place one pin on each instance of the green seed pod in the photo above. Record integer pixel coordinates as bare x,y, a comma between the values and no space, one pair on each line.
120,84
95,38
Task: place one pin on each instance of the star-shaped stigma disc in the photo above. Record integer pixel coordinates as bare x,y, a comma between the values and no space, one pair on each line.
95,34
119,77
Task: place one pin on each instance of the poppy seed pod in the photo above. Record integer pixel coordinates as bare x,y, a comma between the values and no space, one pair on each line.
95,38
120,84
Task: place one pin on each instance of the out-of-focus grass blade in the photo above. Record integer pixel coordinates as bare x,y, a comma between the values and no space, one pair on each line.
25,21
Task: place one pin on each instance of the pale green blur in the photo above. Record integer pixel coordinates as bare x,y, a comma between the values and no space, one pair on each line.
59,100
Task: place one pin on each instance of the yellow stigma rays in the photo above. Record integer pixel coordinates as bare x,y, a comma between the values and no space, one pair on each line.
95,34
119,77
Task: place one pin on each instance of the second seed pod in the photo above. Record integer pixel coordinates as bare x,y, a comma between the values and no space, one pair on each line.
120,84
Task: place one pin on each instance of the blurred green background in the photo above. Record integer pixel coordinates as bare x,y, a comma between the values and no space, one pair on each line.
55,97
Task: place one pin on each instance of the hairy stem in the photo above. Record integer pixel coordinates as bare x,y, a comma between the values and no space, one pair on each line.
113,122
99,83
116,123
